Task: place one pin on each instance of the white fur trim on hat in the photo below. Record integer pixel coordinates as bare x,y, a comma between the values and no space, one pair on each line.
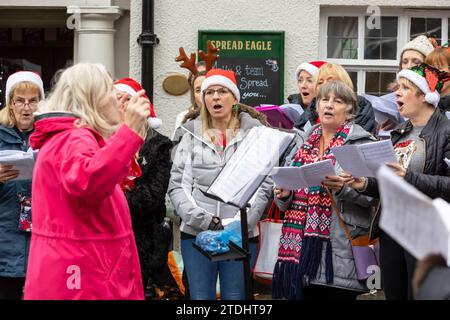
420,44
430,97
221,81
23,76
154,123
125,88
311,69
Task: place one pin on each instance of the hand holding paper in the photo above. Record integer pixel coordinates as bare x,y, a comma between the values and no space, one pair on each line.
17,161
417,223
309,175
363,160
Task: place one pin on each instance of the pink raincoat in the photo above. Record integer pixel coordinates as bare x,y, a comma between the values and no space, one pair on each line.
83,244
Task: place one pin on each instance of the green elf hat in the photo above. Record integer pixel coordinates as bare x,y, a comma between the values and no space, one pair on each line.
428,79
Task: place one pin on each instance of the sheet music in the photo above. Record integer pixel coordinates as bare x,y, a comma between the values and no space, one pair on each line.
364,160
309,175
22,161
253,160
417,223
376,154
307,126
385,107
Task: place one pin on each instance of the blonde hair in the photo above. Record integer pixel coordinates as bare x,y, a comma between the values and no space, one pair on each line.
81,90
336,69
7,118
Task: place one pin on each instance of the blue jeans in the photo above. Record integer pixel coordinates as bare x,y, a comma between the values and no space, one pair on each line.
202,274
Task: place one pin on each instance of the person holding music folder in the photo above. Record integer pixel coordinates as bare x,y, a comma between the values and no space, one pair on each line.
207,145
421,145
24,90
315,258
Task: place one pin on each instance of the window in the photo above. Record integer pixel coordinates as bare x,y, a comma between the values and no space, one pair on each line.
430,26
370,51
375,83
343,37
381,43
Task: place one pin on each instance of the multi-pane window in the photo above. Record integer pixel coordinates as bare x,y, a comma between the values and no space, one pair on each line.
343,37
369,46
381,43
376,82
430,26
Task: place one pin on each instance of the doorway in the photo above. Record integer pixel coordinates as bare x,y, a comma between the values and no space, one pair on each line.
43,48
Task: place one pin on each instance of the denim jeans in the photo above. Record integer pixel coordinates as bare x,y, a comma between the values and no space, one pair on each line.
202,274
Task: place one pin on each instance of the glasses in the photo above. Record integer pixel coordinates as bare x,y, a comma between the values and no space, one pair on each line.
221,92
21,103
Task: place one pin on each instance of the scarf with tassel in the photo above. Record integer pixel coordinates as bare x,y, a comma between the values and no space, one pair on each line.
306,227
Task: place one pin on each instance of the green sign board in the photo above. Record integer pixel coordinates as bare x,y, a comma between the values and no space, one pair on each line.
257,58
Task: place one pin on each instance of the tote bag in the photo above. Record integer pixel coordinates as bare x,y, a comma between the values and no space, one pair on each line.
269,239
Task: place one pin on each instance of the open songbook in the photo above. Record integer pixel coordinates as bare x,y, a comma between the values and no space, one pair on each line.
363,160
308,175
253,160
419,224
276,116
21,160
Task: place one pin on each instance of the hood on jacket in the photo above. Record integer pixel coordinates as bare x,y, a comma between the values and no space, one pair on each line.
246,122
241,108
356,133
49,124
9,135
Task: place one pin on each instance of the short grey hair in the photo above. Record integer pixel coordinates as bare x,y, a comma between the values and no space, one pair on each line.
341,91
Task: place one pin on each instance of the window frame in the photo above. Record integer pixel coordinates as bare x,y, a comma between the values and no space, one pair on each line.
361,65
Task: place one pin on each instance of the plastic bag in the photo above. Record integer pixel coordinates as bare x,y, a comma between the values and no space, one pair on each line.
216,242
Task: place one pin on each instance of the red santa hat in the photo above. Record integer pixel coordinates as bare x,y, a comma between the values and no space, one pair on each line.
225,78
311,67
23,76
132,87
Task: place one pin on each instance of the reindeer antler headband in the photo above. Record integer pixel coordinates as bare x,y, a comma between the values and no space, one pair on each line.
190,63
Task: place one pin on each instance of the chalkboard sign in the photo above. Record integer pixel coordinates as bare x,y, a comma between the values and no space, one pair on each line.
256,57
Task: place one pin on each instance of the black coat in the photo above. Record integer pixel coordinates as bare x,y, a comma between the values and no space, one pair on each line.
444,103
147,204
434,180
365,116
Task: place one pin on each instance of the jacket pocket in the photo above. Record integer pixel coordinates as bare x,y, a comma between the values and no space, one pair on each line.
121,264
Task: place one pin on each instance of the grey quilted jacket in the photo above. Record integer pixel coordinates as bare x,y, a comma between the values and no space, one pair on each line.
195,166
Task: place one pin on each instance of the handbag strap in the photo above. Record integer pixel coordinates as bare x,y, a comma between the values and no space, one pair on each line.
333,203
274,212
341,220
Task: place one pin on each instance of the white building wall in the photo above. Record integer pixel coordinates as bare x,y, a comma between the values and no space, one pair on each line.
177,24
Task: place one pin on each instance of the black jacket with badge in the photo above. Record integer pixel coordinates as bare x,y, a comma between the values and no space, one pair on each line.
434,180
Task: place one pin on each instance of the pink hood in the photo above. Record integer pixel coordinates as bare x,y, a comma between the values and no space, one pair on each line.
83,244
